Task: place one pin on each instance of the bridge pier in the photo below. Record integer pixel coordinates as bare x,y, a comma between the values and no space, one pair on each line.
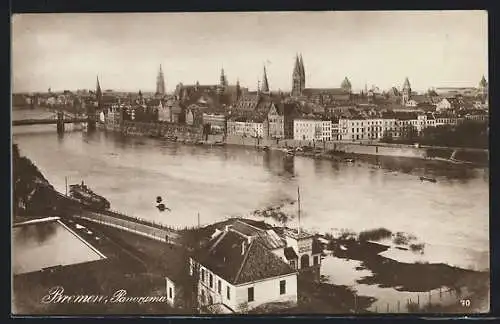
91,123
60,122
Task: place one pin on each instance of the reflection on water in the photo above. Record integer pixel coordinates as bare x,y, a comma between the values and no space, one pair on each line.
218,182
49,244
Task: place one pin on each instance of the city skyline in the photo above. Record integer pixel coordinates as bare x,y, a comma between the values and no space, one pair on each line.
67,51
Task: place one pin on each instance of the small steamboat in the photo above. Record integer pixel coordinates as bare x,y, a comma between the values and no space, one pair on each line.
86,196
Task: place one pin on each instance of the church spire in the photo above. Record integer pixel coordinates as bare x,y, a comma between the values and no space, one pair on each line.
265,82
302,69
98,91
160,82
297,70
406,84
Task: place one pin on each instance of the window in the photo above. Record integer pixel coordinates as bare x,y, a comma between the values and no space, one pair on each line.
228,292
250,294
282,287
211,280
203,275
170,292
316,260
219,288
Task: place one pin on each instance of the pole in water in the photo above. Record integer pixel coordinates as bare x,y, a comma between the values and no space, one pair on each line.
298,204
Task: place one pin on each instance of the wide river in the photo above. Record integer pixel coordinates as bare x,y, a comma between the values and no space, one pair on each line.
450,216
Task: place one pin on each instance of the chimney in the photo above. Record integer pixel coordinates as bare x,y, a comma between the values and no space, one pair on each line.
243,247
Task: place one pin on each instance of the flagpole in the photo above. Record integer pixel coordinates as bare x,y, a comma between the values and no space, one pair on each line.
298,204
66,184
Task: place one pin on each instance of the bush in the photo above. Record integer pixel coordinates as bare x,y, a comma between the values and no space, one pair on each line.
347,235
375,234
417,247
401,238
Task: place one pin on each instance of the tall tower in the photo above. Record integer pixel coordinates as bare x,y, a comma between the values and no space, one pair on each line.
483,89
160,83
406,92
223,78
297,78
302,73
222,82
98,91
265,82
346,85
238,89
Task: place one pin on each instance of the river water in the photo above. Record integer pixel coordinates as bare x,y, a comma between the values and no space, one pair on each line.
450,216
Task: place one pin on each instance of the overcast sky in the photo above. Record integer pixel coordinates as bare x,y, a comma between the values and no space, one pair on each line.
67,51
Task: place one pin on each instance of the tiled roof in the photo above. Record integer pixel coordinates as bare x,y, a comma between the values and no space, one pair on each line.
405,116
225,258
268,237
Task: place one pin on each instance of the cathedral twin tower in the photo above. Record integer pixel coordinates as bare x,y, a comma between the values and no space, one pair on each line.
298,77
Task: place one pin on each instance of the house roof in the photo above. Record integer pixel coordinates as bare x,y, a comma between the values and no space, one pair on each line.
296,235
268,237
224,257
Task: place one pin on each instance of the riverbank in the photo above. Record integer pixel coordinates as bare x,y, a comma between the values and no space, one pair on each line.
193,135
325,150
442,285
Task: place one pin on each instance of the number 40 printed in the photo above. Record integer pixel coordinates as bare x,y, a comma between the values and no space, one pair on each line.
465,302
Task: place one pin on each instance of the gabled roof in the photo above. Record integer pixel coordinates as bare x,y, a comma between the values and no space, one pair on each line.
224,257
268,237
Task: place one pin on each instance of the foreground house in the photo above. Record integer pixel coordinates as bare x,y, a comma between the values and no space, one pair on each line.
238,272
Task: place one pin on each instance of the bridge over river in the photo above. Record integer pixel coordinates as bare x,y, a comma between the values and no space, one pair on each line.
59,118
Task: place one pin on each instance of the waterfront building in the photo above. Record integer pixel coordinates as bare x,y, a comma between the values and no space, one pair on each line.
241,126
217,122
358,128
479,116
170,111
442,119
308,128
237,273
194,114
290,112
113,116
275,122
335,129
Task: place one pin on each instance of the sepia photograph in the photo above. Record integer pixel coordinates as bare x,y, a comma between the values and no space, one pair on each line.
229,163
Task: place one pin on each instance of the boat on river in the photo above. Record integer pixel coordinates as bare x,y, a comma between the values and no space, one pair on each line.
86,196
423,178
